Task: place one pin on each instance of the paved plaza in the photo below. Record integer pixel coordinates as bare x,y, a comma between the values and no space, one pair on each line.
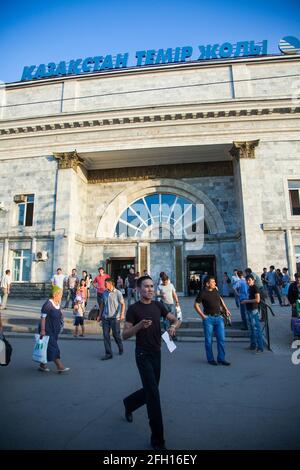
253,404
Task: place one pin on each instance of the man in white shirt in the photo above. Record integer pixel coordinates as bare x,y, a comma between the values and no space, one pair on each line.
58,279
5,286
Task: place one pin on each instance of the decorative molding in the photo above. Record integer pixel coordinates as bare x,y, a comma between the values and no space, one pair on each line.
178,171
134,120
243,149
68,160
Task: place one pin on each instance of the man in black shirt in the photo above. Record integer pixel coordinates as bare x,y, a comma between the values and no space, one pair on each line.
212,320
143,320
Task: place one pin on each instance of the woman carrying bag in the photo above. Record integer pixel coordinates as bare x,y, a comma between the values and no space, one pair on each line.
51,323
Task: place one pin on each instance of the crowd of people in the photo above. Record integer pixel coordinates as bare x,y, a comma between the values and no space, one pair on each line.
148,303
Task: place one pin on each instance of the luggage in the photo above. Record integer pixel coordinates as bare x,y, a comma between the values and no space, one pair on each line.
295,326
5,351
94,313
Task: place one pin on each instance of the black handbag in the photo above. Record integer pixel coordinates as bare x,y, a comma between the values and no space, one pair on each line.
5,348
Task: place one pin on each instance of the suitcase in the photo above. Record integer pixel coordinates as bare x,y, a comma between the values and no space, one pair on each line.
295,326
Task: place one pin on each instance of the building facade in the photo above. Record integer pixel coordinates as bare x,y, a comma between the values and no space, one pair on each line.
114,169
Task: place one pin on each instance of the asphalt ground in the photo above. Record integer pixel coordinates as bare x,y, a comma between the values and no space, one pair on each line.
253,404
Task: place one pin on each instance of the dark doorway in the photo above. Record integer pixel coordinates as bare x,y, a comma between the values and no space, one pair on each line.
196,267
119,266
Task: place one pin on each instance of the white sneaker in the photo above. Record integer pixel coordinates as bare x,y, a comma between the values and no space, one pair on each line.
61,371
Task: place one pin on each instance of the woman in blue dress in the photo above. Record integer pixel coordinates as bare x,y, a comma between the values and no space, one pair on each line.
51,323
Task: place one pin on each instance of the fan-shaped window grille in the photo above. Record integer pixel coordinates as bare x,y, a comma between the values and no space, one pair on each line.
161,216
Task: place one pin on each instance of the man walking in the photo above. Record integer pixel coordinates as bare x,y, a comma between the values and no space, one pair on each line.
99,284
212,320
111,317
5,286
272,280
143,320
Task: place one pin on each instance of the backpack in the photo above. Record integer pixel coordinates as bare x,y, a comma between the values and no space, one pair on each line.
5,351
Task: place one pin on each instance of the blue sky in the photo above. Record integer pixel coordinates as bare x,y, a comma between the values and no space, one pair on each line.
42,31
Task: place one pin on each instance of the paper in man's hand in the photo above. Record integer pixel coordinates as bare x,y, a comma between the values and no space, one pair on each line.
170,344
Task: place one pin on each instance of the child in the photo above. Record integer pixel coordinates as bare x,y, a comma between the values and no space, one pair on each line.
79,311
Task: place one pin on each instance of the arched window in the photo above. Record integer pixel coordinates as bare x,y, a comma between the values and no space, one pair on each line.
161,216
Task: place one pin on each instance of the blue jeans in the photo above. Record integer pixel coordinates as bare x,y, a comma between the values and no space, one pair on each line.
243,315
171,309
276,290
131,292
71,294
214,324
114,325
256,338
99,299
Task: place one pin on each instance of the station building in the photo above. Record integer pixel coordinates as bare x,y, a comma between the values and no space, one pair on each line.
103,168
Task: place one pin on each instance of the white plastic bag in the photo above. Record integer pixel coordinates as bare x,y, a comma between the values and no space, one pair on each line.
40,349
178,313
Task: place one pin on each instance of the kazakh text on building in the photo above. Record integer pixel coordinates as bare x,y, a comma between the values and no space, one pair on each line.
148,57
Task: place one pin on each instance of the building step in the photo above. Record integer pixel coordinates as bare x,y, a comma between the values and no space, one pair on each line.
30,290
188,329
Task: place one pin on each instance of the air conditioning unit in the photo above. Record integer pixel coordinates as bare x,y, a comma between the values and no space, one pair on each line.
19,198
41,256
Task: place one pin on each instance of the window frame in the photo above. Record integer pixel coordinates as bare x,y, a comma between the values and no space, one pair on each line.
25,214
288,206
22,259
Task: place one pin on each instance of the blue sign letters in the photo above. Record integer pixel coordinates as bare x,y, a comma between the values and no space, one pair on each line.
144,58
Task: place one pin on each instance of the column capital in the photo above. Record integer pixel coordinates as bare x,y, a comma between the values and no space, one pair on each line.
243,149
68,160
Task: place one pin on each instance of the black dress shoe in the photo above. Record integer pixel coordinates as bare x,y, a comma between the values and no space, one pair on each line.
158,447
224,363
107,356
120,353
128,415
212,363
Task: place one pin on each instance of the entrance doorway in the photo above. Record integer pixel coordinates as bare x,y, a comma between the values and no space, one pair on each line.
196,267
119,266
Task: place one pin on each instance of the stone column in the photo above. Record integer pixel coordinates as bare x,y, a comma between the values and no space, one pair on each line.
5,256
248,187
289,252
67,204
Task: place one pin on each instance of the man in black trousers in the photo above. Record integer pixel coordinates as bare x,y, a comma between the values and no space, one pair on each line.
143,320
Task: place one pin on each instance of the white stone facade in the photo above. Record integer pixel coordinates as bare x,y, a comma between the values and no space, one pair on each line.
176,117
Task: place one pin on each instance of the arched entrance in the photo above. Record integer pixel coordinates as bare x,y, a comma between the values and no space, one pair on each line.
163,219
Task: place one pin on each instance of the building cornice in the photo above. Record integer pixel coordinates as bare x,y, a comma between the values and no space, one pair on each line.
104,120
